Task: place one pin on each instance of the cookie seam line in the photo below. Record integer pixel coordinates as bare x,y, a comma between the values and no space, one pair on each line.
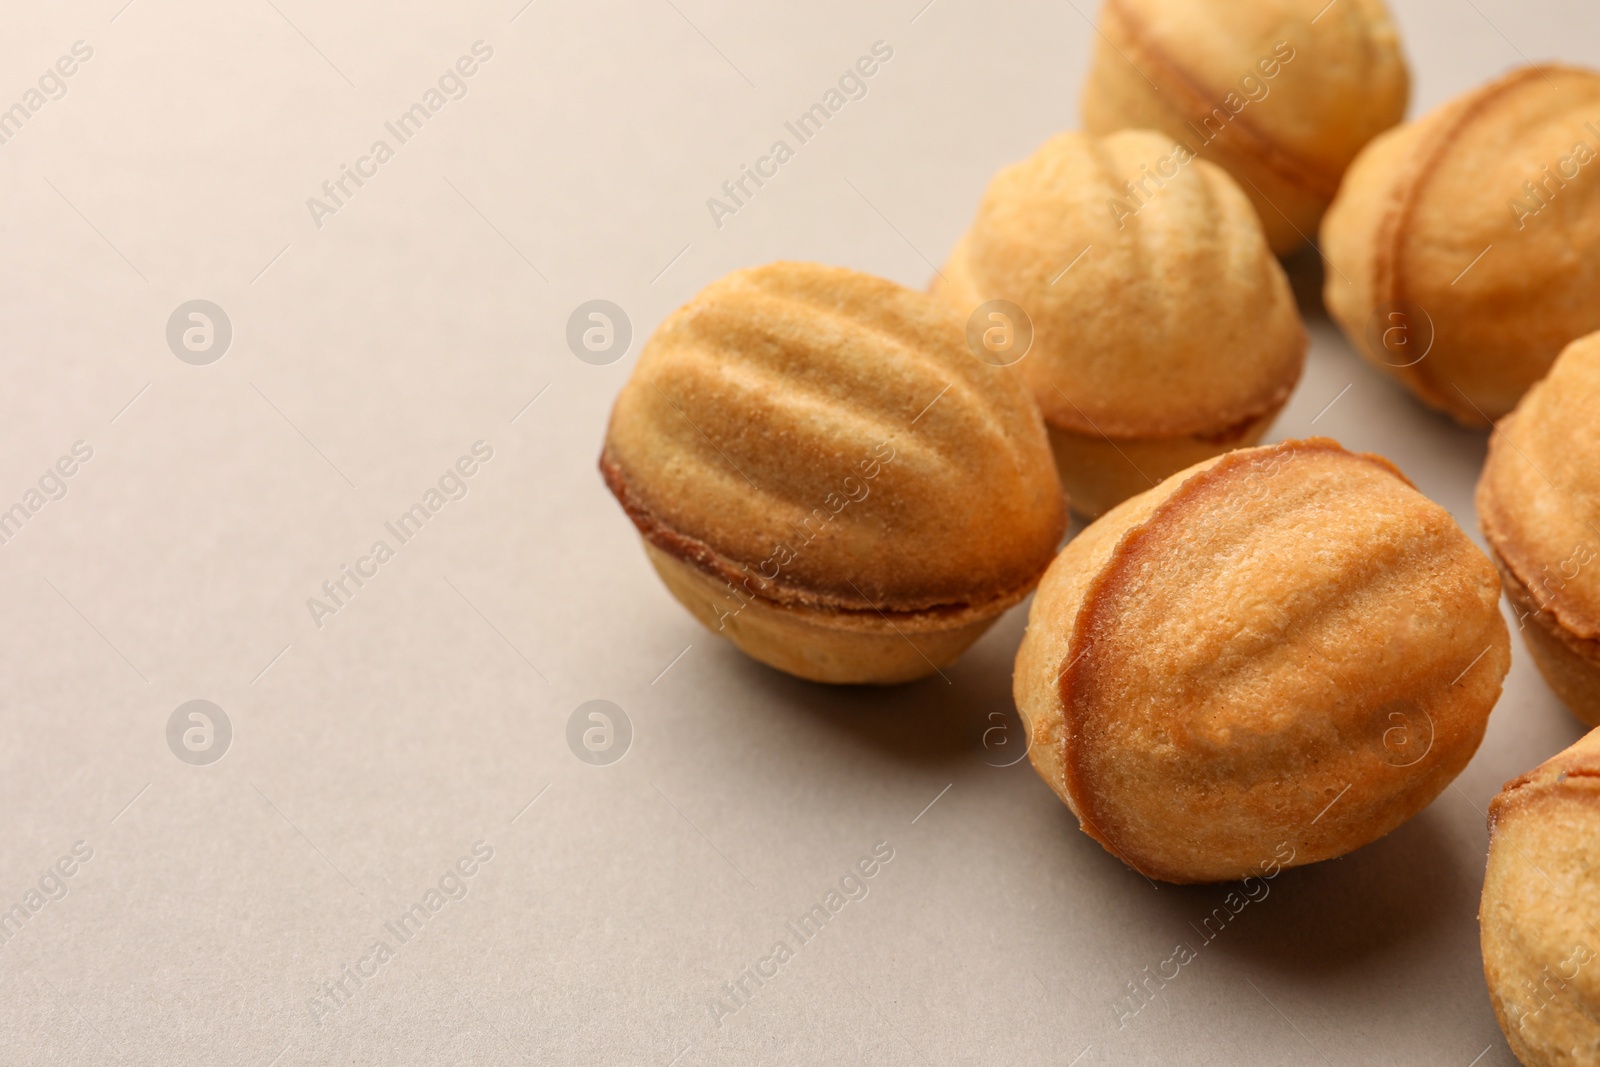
1284,164
713,564
1394,227
1095,594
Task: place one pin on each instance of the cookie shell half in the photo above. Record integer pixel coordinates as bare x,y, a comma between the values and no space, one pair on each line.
1537,928
1285,650
1280,93
824,473
1539,507
1163,330
1462,260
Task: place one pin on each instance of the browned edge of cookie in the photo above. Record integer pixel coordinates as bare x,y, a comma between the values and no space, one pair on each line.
1226,435
1197,103
1565,620
1188,500
1573,772
785,594
1570,775
1406,189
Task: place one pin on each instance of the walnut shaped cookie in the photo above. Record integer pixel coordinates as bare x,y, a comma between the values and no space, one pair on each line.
1163,331
1284,651
1465,246
1536,920
1539,507
1282,94
822,472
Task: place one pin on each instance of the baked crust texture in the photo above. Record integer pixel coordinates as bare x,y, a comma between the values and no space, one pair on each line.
1539,506
824,441
1163,330
1480,224
1286,645
1280,93
1541,948
1178,321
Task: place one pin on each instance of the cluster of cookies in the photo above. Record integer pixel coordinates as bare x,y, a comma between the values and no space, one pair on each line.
1246,646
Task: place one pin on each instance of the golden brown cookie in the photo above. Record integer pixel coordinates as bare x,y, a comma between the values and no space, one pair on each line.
1277,655
1163,330
1282,94
1465,246
1541,948
822,472
1539,505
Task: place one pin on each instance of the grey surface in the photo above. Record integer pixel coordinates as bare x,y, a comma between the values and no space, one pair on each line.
370,754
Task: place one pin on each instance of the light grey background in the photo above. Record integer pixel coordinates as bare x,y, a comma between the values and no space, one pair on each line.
371,753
